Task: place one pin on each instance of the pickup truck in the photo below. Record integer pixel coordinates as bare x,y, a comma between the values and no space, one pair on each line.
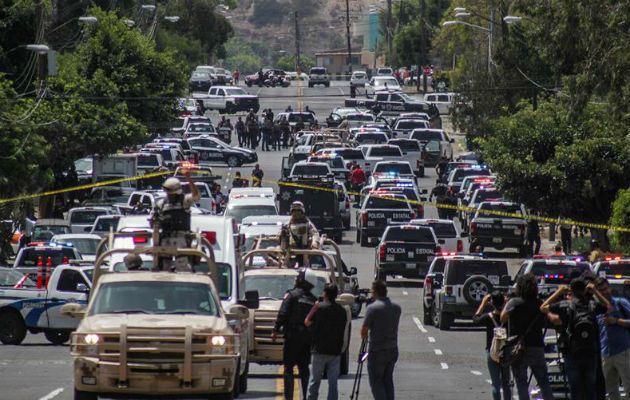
496,231
398,102
141,202
227,99
27,306
375,153
377,212
29,257
403,127
114,166
413,151
405,250
616,269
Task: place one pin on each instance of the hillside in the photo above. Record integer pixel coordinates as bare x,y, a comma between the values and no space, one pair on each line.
321,22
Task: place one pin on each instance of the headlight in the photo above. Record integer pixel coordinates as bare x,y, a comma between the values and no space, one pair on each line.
218,340
91,339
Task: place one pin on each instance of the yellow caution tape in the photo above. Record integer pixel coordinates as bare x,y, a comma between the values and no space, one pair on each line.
304,186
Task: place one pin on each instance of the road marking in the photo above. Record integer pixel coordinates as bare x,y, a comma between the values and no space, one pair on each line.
431,339
419,325
52,394
444,365
438,352
405,293
475,372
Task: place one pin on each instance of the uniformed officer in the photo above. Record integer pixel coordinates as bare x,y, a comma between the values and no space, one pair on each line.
172,215
299,232
296,349
440,191
133,262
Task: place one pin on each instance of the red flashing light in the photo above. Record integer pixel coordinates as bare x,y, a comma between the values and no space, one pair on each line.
210,236
446,253
36,244
140,239
412,215
65,260
438,249
188,165
449,290
611,258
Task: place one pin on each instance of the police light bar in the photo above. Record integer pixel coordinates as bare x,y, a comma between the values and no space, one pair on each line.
188,164
612,257
553,276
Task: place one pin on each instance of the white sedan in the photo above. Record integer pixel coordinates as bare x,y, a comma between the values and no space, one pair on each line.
379,83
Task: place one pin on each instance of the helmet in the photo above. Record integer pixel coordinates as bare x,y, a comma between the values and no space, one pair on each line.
133,261
307,277
297,206
172,186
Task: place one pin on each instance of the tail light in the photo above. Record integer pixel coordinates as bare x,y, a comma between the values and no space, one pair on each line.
211,236
65,260
347,203
381,252
364,218
473,227
460,246
428,286
412,215
438,250
420,211
140,239
451,188
449,290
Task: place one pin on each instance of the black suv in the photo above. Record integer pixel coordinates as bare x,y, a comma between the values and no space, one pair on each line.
462,287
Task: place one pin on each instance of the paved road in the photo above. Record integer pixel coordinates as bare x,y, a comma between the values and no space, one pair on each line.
432,364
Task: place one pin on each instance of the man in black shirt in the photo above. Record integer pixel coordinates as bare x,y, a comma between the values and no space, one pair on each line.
327,321
525,319
579,341
499,374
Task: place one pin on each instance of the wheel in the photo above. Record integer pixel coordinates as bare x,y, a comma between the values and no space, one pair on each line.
358,236
345,360
233,161
346,224
229,109
356,309
57,337
249,84
445,320
338,238
328,84
523,251
12,328
434,316
222,396
476,288
363,240
472,247
381,275
81,395
237,381
426,317
242,380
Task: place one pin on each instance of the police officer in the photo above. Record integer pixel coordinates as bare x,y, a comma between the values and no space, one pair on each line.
133,262
172,214
238,181
439,191
299,232
296,349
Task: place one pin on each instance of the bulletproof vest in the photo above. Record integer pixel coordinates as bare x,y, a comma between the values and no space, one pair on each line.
298,235
302,306
174,216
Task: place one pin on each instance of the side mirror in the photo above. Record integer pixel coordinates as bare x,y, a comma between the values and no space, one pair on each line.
237,313
353,271
506,280
251,300
463,235
345,299
72,310
82,287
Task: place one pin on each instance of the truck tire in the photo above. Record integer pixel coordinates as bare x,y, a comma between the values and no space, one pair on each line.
426,316
476,288
222,396
381,275
242,381
434,316
57,336
12,327
445,320
81,395
471,248
228,109
237,381
363,240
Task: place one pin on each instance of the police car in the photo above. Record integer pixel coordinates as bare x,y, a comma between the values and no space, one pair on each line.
551,271
616,269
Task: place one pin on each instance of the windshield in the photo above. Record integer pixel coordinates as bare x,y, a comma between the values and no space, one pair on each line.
333,162
425,136
155,298
394,169
240,212
409,145
203,190
83,165
318,71
388,82
386,203
276,286
506,208
311,170
47,232
487,195
413,124
200,128
85,246
460,174
85,217
371,138
306,117
350,154
359,117
409,234
200,75
385,152
104,224
148,160
30,256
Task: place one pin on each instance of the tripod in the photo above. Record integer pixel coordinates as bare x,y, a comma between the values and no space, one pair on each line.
357,377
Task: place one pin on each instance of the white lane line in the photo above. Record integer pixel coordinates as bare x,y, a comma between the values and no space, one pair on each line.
444,365
489,381
52,394
405,293
431,339
475,372
419,325
438,352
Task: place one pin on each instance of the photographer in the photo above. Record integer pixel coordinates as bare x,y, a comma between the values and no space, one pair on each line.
578,333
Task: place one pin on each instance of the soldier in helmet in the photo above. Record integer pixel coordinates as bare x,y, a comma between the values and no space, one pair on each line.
172,214
299,232
296,349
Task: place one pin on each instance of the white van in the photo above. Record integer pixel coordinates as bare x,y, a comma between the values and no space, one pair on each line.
443,101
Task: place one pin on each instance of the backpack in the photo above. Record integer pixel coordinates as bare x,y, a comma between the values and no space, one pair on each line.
498,341
581,329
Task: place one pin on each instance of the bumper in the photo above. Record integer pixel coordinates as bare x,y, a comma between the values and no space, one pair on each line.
211,377
413,269
373,235
460,310
498,242
319,82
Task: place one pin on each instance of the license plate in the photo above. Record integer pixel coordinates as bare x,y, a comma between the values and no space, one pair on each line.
517,232
371,223
497,240
449,299
410,254
389,220
390,257
410,266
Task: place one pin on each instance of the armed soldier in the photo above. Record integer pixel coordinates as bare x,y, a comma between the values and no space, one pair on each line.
172,218
298,233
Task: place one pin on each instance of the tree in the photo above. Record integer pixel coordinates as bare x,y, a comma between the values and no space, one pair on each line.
287,63
621,217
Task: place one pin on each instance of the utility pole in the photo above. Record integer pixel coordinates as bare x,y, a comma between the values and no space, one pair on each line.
423,48
388,35
42,57
349,60
490,37
297,44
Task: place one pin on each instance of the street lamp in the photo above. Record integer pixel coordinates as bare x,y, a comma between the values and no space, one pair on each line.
130,23
462,15
508,19
148,7
38,48
489,56
172,18
459,9
88,20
